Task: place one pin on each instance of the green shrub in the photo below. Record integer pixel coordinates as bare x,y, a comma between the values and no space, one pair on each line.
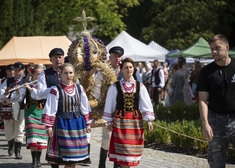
178,111
158,134
149,136
161,112
192,112
184,120
175,138
189,128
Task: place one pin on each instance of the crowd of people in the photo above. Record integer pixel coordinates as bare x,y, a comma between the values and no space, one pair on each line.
169,84
211,86
53,108
55,113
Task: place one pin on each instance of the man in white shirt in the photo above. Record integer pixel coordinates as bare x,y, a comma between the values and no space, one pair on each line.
50,77
14,128
157,80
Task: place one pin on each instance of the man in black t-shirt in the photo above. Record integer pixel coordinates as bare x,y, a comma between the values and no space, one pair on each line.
216,88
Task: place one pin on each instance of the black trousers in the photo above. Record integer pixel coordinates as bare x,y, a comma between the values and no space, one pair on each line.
156,95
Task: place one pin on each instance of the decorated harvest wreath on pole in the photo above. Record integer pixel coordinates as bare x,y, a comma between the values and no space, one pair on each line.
88,54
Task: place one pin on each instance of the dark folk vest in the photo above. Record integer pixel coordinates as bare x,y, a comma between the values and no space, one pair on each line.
67,105
156,75
51,77
127,101
29,101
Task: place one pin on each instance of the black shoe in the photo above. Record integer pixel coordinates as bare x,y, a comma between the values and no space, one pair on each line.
17,150
11,144
86,161
54,166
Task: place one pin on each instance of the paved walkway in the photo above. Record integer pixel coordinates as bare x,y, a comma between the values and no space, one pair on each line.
150,159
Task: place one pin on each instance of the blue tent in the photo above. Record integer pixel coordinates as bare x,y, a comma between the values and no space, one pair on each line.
171,60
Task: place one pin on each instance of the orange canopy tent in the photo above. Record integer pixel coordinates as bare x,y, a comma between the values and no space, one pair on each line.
32,49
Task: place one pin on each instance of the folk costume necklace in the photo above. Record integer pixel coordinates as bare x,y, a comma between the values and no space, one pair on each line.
68,89
128,89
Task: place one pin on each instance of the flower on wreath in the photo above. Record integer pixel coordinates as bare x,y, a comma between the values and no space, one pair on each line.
87,54
102,44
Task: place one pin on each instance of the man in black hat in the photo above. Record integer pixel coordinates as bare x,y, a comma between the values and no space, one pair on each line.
115,58
9,69
51,77
14,128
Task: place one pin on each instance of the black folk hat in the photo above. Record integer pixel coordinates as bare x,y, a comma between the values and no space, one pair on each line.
56,51
19,65
9,67
117,50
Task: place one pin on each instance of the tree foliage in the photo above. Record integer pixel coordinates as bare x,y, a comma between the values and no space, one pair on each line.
179,23
56,17
172,23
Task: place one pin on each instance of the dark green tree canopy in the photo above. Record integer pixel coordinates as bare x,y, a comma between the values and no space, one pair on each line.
172,23
179,23
55,17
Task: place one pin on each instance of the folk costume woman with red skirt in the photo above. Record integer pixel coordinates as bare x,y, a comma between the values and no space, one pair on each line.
127,105
67,120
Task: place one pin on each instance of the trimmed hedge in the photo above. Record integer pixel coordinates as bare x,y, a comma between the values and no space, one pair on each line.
184,120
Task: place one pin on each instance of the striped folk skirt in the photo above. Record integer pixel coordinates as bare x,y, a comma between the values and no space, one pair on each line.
35,130
69,142
127,140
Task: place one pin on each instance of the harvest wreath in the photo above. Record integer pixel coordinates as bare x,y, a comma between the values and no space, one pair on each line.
88,54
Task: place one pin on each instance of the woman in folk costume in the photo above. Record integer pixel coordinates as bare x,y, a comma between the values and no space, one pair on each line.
67,120
36,138
127,105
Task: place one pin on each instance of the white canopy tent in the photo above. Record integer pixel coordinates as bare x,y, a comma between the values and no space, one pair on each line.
158,47
135,49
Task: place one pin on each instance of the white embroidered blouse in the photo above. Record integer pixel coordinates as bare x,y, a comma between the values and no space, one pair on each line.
145,105
51,106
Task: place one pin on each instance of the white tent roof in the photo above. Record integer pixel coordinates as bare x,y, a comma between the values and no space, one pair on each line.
188,60
157,47
32,49
135,49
